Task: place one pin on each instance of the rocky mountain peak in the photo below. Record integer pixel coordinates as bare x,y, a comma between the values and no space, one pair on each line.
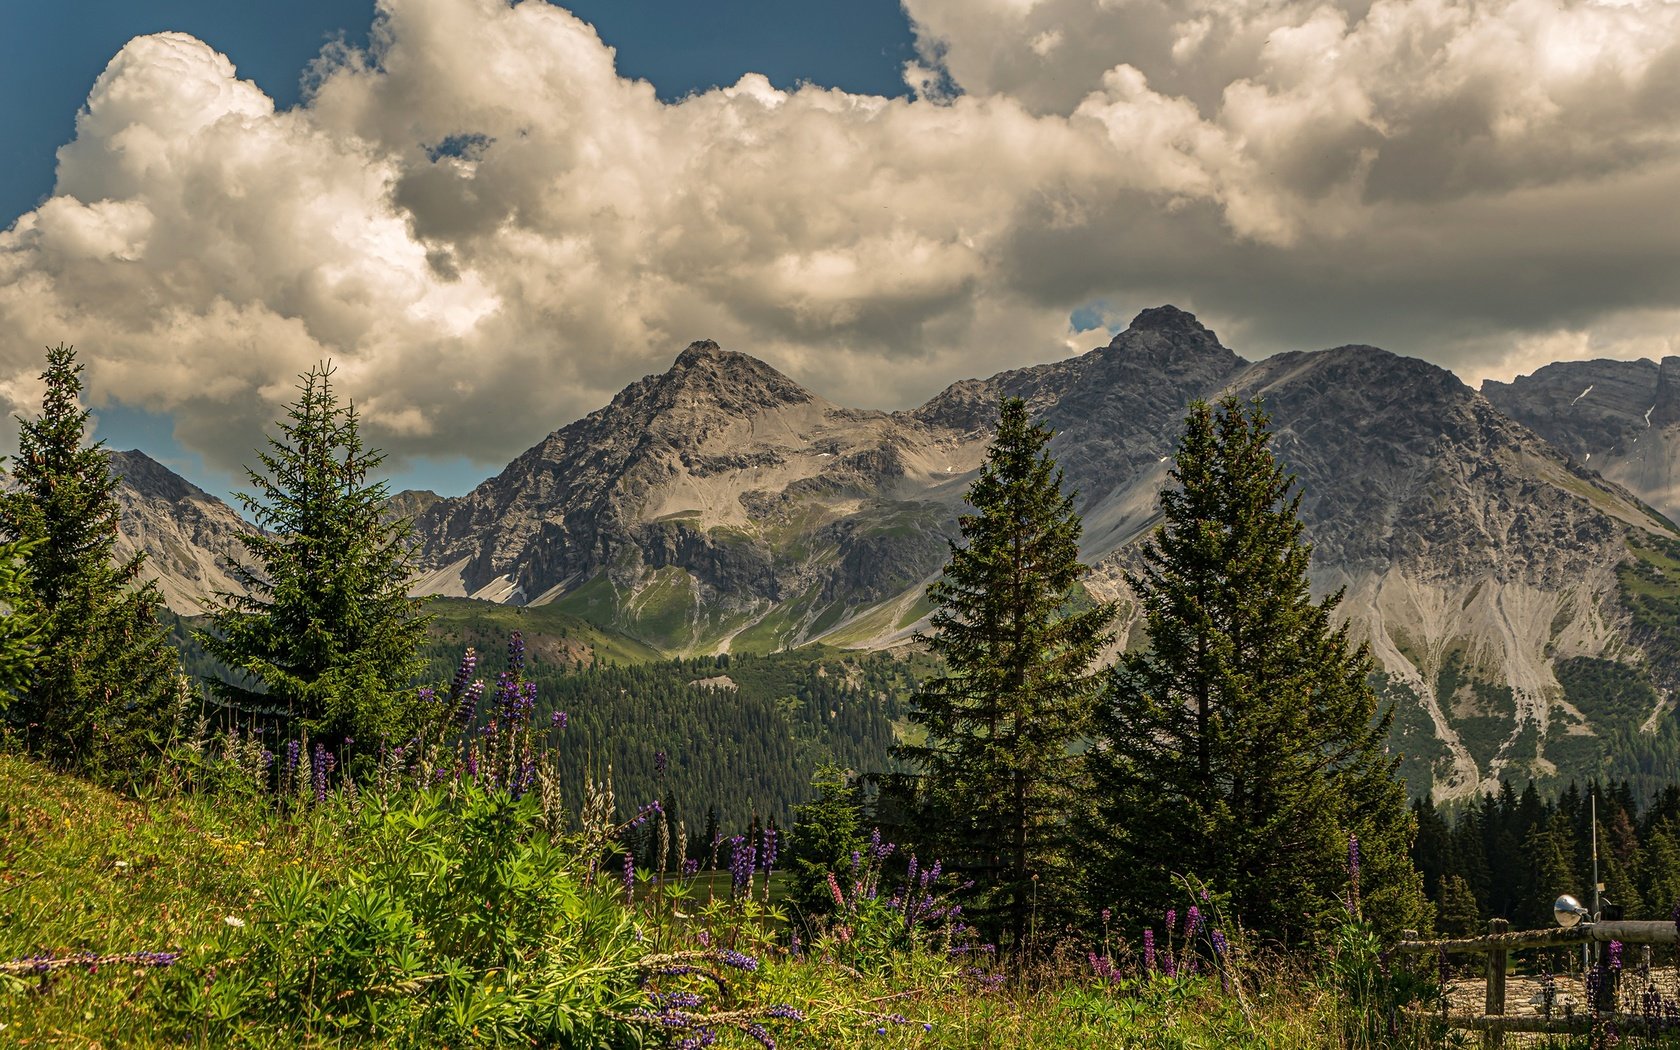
151,479
189,536
736,382
1170,320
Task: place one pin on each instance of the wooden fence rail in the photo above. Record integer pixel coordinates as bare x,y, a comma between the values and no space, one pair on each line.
1498,944
1627,931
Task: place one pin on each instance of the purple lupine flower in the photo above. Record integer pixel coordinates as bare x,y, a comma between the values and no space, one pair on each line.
470,697
428,695
1107,914
769,848
516,653
1615,955
523,703
463,673
690,867
659,763
743,858
1192,922
558,720
757,1032
785,1012
1149,949
321,759
291,758
1172,922
678,1001
738,960
629,879
504,701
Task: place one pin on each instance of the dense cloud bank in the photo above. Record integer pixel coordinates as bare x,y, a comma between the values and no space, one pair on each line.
490,231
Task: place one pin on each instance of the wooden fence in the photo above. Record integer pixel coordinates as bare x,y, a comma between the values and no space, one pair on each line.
1498,944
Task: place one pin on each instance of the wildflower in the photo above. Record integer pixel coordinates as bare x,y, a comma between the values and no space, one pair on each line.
743,858
324,761
235,921
739,960
660,761
629,879
558,720
516,653
1192,922
1149,950
463,673
468,710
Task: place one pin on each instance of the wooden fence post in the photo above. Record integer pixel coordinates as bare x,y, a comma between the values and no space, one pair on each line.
1495,1003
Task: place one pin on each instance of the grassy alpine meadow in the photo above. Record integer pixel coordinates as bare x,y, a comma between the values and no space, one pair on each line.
454,915
247,892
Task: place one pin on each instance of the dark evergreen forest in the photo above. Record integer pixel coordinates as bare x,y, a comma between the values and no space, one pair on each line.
1510,855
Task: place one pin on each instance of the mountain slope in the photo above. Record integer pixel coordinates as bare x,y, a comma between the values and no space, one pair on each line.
1619,418
720,506
189,536
1524,610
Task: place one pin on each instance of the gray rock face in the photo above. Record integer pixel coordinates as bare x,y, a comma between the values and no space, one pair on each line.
189,536
1618,418
720,506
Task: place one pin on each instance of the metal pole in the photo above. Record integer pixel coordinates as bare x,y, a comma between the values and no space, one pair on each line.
1593,796
1590,954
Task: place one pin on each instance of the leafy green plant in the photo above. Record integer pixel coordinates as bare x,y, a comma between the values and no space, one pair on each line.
457,924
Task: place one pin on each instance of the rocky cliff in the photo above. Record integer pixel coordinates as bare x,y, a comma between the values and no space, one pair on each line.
189,536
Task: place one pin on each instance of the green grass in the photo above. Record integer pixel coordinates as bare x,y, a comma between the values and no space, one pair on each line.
82,869
548,629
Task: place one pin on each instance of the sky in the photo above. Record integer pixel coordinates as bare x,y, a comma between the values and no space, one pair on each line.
493,215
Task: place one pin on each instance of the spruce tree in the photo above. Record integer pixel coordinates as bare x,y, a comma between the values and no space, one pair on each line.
827,830
326,638
1000,777
1244,747
98,700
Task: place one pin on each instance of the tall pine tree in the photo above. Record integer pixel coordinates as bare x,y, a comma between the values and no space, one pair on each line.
98,700
1244,747
1000,779
326,639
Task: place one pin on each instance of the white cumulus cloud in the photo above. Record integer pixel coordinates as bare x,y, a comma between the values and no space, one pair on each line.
490,231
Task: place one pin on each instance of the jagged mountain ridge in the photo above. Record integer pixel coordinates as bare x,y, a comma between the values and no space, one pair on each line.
720,506
1619,418
189,537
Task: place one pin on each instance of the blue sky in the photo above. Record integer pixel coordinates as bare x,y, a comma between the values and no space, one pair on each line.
1479,183
51,52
